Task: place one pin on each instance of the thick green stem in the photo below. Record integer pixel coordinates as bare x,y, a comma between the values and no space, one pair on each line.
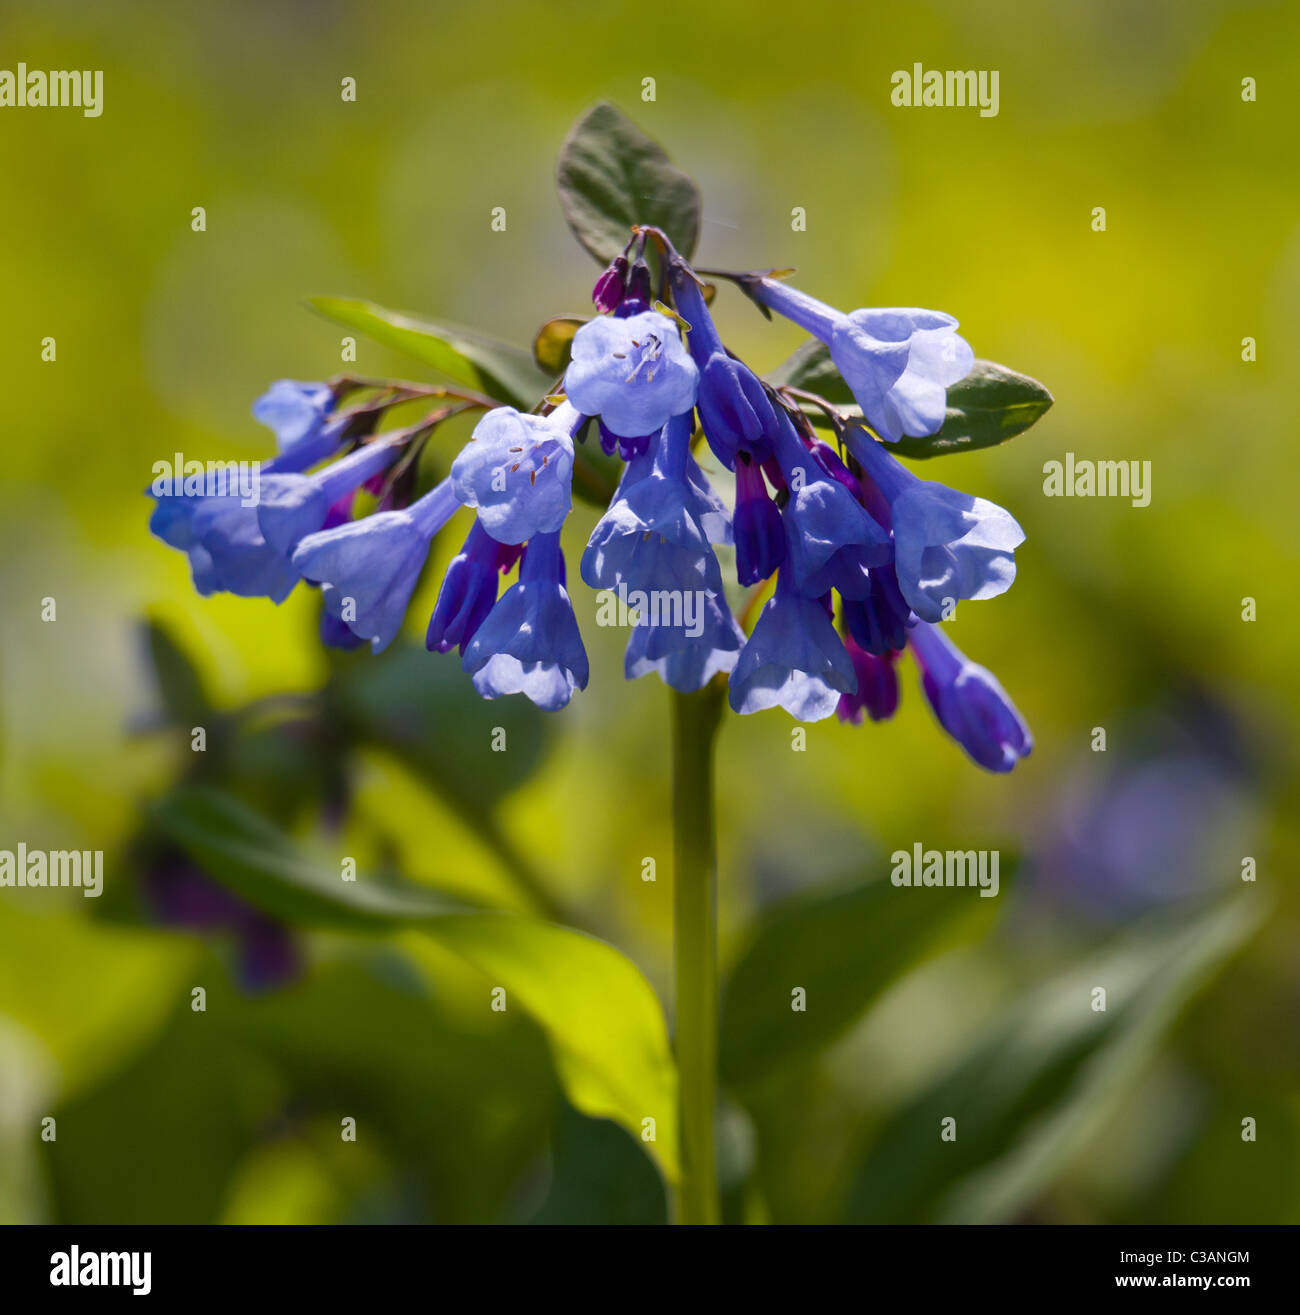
695,948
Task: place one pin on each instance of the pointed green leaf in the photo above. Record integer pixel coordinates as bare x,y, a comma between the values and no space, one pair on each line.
1031,1091
601,1016
990,405
503,372
611,176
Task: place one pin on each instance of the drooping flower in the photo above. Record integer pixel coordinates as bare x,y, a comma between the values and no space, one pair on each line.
292,506
736,411
794,659
947,545
469,590
632,372
897,362
832,541
877,693
219,531
529,644
968,701
368,569
295,412
697,657
651,538
517,472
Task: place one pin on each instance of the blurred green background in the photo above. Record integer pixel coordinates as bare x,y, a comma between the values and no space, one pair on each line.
1122,618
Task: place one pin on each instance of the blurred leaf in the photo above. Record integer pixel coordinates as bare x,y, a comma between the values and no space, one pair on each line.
611,176
159,1141
554,342
598,1176
990,405
843,946
421,707
504,372
603,1020
463,1108
180,687
255,859
1030,1093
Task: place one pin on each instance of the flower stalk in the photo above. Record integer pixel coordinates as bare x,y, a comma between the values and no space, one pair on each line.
696,718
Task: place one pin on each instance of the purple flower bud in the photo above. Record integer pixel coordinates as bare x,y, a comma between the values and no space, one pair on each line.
877,692
759,532
610,286
970,704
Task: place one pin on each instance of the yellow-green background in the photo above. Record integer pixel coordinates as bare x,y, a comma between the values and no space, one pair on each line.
164,337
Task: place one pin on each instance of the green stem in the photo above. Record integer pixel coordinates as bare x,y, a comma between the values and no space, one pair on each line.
695,948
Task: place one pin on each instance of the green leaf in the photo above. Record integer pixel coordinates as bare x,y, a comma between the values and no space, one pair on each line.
611,176
505,373
180,687
602,1018
1030,1093
844,946
990,405
554,343
257,860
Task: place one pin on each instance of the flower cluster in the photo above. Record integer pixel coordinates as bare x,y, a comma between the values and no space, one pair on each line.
861,558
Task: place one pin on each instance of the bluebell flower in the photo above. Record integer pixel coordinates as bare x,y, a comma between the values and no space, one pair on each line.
632,372
878,621
968,701
757,526
897,362
794,659
652,538
737,413
947,545
292,506
877,693
832,541
220,532
529,644
469,590
694,659
517,472
368,569
296,412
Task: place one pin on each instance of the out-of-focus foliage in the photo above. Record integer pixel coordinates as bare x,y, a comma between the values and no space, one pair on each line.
923,1004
